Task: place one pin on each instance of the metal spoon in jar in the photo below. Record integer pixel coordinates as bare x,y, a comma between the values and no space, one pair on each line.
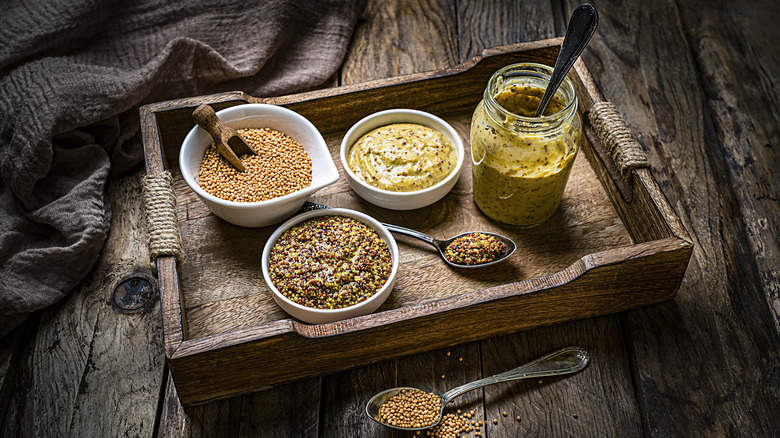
582,25
564,361
441,245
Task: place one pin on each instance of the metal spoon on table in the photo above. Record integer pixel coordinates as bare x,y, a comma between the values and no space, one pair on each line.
441,245
564,361
582,25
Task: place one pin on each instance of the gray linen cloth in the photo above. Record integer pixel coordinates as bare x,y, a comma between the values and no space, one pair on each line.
73,74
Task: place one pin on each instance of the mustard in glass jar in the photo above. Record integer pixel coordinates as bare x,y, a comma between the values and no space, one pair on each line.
520,163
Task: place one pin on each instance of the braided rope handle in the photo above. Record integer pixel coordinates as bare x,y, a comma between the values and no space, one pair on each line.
614,133
162,223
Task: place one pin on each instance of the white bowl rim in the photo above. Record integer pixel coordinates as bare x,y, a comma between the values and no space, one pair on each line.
383,232
307,191
459,147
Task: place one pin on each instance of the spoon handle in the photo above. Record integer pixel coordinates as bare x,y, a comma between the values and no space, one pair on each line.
413,233
582,25
564,361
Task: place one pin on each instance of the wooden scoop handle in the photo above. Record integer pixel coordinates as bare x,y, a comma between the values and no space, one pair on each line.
207,119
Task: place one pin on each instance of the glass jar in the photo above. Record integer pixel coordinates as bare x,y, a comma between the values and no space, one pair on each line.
521,163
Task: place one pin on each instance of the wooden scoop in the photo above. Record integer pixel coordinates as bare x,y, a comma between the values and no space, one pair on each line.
229,143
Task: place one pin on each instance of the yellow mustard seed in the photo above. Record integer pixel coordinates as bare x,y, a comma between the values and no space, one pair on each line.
280,167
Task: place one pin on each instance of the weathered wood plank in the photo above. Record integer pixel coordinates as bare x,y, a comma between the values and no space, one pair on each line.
733,49
16,375
89,360
714,159
11,346
288,411
704,361
399,38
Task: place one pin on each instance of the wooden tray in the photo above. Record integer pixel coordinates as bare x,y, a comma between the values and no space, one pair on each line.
598,254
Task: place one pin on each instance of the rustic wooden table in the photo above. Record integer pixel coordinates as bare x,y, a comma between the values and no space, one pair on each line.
697,83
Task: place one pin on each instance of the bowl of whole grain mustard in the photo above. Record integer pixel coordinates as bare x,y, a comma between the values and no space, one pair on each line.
402,159
292,162
329,265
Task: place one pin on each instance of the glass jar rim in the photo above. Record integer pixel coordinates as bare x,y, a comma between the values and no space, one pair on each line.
542,71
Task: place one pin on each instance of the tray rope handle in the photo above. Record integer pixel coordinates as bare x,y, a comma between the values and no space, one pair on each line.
162,224
626,153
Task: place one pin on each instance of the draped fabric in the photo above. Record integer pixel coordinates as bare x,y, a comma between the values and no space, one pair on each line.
73,74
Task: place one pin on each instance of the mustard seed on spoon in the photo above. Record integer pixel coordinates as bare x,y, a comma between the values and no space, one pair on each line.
408,408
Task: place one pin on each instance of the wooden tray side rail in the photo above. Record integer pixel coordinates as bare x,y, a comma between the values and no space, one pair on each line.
642,206
251,358
256,358
335,110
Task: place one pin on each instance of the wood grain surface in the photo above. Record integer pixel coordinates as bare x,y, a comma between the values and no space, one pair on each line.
697,83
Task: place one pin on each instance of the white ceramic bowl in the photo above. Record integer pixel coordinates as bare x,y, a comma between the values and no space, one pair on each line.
262,213
401,200
322,316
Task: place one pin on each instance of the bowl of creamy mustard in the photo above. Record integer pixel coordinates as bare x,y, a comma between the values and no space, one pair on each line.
402,159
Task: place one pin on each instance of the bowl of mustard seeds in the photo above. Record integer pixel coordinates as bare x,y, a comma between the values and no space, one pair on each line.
329,265
292,162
